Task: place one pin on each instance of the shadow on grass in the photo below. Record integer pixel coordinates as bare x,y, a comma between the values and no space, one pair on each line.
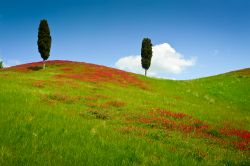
35,68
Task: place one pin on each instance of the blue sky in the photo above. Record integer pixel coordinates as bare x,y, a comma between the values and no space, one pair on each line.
216,33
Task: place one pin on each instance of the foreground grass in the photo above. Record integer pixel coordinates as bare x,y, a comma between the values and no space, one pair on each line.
59,116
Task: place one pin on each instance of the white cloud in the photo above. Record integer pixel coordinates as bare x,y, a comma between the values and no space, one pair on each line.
165,60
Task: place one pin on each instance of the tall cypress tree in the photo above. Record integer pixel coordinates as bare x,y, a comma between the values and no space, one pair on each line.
146,54
44,40
1,64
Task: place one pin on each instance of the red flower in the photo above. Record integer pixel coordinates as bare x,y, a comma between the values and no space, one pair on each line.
244,134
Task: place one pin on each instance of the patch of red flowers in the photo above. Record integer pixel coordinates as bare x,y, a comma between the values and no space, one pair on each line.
66,69
97,73
85,72
167,123
59,97
146,120
164,119
202,127
171,114
244,134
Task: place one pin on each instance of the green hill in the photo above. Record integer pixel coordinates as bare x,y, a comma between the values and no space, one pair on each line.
76,113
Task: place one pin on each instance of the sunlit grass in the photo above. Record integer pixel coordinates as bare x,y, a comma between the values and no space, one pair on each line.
50,120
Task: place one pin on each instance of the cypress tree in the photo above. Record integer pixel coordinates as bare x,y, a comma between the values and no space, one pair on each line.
44,40
1,64
146,54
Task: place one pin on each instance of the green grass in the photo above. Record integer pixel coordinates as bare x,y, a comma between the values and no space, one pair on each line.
48,120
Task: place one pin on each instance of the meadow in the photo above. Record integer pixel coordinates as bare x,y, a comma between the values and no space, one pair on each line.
76,113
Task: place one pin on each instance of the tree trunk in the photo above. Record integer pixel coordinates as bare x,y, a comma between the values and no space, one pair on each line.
145,72
43,64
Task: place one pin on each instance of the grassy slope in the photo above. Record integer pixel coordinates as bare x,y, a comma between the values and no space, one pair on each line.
75,113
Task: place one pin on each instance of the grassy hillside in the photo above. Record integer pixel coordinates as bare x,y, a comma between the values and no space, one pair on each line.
82,114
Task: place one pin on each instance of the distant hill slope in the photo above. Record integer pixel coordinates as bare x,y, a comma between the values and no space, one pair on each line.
242,72
85,114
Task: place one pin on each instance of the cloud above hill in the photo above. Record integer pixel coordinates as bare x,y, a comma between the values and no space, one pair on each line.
165,60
